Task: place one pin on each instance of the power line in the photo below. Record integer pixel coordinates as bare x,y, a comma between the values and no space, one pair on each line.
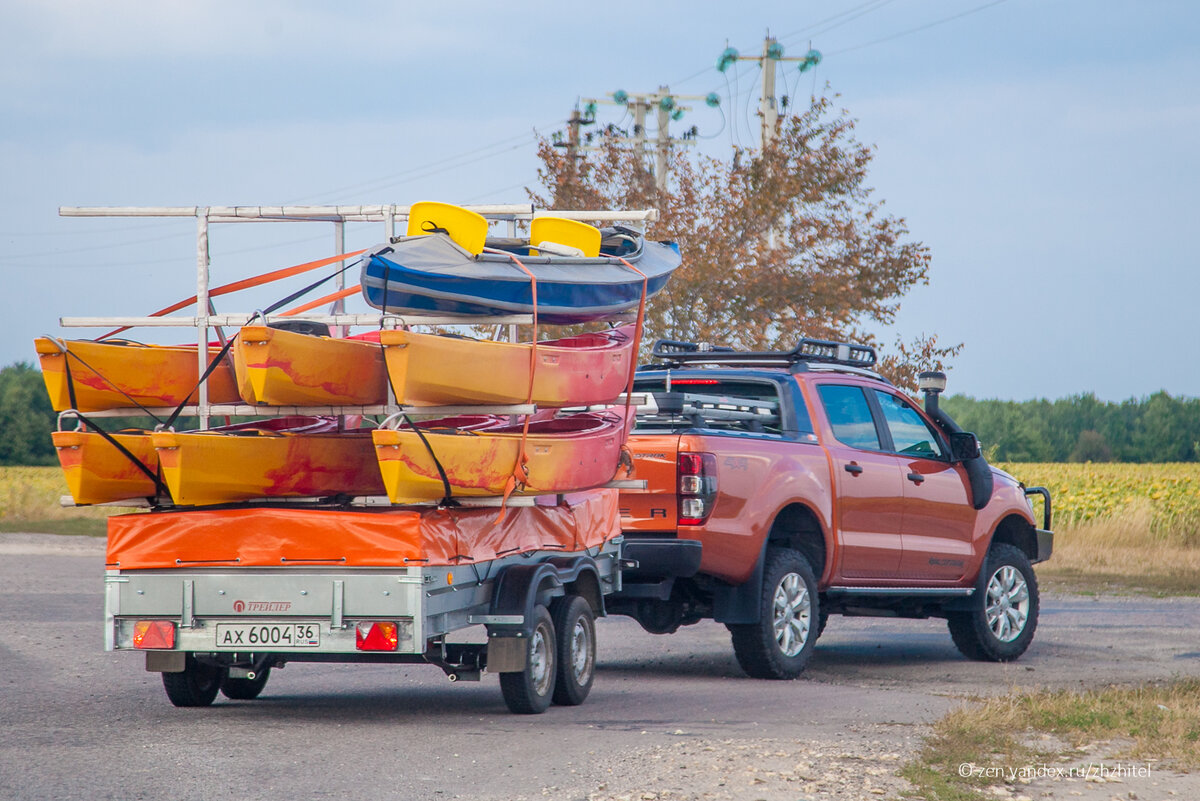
863,9
926,26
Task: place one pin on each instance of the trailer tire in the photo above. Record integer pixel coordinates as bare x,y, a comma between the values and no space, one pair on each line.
780,644
196,685
245,689
575,626
529,691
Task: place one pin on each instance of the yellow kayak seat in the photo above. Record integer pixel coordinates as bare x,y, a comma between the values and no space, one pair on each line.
465,227
561,231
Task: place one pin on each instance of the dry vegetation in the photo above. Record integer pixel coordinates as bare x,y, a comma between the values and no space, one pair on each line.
29,501
1159,724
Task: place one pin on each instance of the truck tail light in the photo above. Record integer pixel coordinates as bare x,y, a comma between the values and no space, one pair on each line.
697,487
376,635
153,634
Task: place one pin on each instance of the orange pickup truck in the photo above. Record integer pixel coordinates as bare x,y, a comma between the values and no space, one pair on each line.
783,487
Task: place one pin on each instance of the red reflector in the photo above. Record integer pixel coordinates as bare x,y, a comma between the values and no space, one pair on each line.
153,634
382,635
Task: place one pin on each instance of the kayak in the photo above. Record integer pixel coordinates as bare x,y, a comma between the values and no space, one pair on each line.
583,370
90,376
97,471
434,274
564,454
276,367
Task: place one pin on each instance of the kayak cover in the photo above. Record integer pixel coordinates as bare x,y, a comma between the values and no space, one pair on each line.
386,537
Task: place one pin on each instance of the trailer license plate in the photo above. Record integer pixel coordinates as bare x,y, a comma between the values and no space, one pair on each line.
275,635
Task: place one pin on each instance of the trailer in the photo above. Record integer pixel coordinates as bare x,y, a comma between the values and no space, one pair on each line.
216,599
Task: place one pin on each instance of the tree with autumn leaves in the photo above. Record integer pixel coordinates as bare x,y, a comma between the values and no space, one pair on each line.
777,243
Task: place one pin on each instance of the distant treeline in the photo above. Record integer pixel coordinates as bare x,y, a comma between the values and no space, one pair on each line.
1075,429
1083,429
26,418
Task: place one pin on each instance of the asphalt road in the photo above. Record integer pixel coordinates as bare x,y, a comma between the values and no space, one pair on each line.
79,723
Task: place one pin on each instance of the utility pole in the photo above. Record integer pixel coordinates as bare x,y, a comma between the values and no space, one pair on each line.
666,109
772,54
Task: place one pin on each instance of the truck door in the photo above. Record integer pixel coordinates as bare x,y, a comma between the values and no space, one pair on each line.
938,520
869,485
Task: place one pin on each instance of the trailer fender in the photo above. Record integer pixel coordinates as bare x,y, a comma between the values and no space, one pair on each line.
520,588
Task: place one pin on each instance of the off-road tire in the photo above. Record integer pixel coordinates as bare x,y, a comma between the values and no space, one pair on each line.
1004,614
245,689
196,685
780,644
575,629
529,691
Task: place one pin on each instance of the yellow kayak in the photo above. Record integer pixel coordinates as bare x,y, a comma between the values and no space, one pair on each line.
120,374
584,370
564,454
97,472
285,368
207,467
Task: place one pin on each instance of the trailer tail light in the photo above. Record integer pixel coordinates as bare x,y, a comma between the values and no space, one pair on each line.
376,635
697,487
153,634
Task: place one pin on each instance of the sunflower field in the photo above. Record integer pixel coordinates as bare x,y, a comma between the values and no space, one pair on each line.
1164,497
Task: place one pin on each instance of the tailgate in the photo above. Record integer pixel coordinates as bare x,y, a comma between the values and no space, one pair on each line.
655,508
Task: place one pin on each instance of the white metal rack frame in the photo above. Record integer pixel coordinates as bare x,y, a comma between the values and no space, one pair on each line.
512,214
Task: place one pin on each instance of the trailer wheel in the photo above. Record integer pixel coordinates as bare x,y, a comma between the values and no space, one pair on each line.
576,628
780,644
245,689
197,685
529,691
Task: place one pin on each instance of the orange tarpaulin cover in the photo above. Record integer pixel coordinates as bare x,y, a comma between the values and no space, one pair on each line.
274,537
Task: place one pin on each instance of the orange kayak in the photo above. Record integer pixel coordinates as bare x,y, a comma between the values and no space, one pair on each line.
207,467
583,370
121,374
286,368
97,472
564,454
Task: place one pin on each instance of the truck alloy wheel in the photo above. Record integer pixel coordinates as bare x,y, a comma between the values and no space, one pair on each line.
780,644
1004,614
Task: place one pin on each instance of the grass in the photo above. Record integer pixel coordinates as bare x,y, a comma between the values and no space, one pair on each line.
1025,729
1120,553
29,501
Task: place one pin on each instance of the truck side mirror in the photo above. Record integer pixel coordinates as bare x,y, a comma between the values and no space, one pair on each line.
964,446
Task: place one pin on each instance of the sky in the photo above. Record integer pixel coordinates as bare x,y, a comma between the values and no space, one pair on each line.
1044,150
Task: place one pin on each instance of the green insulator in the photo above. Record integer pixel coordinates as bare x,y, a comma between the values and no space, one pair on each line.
677,114
667,103
775,50
621,97
712,100
727,59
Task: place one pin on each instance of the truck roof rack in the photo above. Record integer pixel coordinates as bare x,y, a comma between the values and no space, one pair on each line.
820,351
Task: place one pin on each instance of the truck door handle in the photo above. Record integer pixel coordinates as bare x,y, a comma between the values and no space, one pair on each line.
916,478
854,468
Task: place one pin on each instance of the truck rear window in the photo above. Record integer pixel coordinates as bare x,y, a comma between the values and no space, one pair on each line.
717,403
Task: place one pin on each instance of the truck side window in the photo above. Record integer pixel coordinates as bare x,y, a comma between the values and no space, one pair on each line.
850,416
911,435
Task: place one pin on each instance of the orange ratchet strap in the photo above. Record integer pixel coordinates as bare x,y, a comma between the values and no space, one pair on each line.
247,283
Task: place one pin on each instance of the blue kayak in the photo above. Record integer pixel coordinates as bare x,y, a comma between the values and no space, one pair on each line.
431,274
